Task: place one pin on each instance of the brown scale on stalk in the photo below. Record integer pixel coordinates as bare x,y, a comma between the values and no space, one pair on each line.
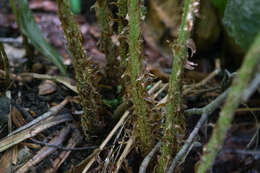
85,72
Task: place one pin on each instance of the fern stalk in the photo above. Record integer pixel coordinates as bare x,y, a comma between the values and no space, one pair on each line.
136,79
174,129
84,71
103,16
122,12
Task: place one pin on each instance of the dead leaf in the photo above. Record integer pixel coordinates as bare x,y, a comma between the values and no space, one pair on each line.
6,161
47,87
45,5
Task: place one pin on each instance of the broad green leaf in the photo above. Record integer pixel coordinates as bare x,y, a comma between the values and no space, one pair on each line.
32,32
242,21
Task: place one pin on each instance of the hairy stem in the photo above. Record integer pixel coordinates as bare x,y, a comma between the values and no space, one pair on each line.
136,78
104,15
85,71
174,129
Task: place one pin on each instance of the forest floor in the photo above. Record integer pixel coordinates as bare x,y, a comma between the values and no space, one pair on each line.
33,96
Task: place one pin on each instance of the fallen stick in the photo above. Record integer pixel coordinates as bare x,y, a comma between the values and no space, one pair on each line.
45,151
127,149
54,110
147,159
188,142
32,131
102,146
74,140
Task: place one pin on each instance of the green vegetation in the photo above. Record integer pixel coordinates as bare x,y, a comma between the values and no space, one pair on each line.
125,78
237,89
174,128
30,29
75,6
241,20
136,75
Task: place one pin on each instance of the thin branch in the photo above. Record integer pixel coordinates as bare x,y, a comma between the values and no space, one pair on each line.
148,158
45,151
188,142
22,77
232,102
63,148
127,149
32,131
155,87
203,82
104,143
76,138
54,110
254,153
252,87
208,109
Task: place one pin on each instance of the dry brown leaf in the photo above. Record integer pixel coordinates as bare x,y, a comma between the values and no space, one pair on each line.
6,161
47,87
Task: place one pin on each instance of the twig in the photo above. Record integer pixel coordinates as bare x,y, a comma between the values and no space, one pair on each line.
63,148
32,131
164,86
210,107
74,140
186,91
163,101
255,154
233,100
248,110
127,149
148,158
45,151
22,110
188,142
54,110
154,87
9,40
110,154
252,87
63,80
101,147
203,82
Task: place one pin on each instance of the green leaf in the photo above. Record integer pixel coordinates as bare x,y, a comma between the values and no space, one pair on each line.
32,32
220,5
242,21
111,103
75,6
